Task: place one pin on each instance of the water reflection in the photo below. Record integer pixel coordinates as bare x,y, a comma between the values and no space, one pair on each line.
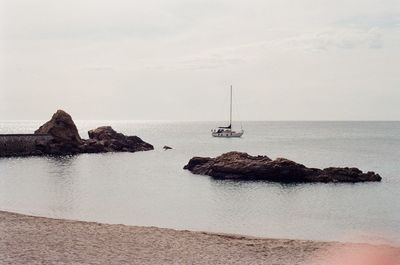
61,183
151,188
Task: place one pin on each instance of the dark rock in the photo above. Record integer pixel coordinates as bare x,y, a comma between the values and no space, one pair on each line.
62,128
241,166
66,139
59,136
92,146
166,147
113,141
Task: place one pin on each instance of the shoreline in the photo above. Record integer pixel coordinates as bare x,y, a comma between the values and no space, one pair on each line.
38,240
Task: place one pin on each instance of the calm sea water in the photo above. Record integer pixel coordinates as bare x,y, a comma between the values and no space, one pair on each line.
152,189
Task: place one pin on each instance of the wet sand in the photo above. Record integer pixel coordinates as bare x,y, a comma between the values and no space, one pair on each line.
37,240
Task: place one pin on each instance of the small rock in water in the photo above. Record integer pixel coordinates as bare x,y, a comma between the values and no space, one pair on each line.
166,147
241,166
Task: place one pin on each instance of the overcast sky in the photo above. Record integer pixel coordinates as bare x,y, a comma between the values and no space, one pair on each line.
175,59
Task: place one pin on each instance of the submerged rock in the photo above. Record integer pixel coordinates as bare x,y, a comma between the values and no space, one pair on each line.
241,166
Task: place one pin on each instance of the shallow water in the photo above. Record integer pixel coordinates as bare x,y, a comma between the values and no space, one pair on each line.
152,189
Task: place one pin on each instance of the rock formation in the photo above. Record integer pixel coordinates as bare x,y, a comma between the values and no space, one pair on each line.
62,128
112,141
65,139
241,166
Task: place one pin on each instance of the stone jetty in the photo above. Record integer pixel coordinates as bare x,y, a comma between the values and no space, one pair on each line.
59,136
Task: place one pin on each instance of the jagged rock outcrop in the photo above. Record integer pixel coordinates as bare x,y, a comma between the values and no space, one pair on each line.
108,140
62,128
241,166
65,139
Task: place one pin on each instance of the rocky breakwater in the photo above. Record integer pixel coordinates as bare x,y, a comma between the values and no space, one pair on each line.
64,139
241,166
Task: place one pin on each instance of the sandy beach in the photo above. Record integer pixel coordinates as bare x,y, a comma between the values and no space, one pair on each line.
37,240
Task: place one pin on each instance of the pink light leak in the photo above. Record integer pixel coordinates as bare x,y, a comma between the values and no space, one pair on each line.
356,254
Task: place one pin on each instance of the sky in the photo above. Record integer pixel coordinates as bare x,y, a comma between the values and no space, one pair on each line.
175,59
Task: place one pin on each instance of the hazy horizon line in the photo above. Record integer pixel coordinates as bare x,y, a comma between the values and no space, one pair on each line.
221,121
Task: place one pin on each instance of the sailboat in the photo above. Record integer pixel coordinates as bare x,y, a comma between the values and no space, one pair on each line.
227,131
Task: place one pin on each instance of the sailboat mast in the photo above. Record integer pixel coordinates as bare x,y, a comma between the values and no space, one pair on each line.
230,112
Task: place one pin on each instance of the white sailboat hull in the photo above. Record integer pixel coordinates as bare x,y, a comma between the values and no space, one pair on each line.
227,133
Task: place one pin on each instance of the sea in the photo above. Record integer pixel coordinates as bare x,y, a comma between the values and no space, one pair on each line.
152,188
